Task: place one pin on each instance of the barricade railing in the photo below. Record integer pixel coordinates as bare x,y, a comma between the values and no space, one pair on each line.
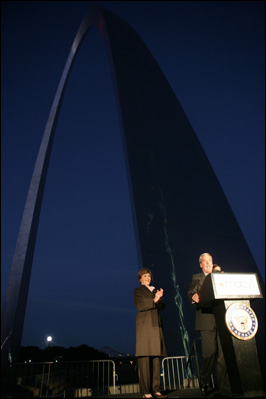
190,357
182,372
176,375
58,379
190,360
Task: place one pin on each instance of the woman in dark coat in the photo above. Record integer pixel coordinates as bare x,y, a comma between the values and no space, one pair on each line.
150,342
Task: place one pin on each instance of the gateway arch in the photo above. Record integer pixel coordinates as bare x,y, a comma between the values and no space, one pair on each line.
175,219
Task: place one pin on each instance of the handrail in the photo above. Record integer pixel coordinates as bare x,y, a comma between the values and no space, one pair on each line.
42,379
193,348
176,373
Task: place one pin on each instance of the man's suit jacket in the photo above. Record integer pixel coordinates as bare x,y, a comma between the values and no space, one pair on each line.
204,316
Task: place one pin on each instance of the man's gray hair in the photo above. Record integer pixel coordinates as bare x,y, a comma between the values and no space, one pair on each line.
205,253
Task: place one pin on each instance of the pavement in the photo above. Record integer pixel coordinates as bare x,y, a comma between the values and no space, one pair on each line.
180,393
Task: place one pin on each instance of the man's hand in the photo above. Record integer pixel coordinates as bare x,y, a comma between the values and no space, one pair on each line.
195,298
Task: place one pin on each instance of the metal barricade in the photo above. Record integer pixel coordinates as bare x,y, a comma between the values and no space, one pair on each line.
176,375
59,379
182,372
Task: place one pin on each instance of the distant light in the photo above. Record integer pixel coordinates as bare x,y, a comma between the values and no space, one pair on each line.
49,339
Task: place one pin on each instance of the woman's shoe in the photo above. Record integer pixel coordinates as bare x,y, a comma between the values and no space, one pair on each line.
147,395
159,395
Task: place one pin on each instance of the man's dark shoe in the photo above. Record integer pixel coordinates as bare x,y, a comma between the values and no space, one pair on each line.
203,389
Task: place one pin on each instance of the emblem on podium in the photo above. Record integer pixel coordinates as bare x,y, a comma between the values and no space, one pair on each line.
241,321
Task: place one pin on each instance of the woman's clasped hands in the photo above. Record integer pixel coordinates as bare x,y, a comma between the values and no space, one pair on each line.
158,295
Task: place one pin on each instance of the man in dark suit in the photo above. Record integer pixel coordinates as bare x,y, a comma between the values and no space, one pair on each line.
211,349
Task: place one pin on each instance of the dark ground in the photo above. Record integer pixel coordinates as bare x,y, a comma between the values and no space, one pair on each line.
180,393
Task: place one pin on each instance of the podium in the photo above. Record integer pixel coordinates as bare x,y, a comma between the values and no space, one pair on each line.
229,295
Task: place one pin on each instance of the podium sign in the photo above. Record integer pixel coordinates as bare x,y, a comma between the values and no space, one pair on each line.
229,286
235,285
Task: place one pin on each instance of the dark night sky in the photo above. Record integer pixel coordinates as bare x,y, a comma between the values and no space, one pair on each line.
85,264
